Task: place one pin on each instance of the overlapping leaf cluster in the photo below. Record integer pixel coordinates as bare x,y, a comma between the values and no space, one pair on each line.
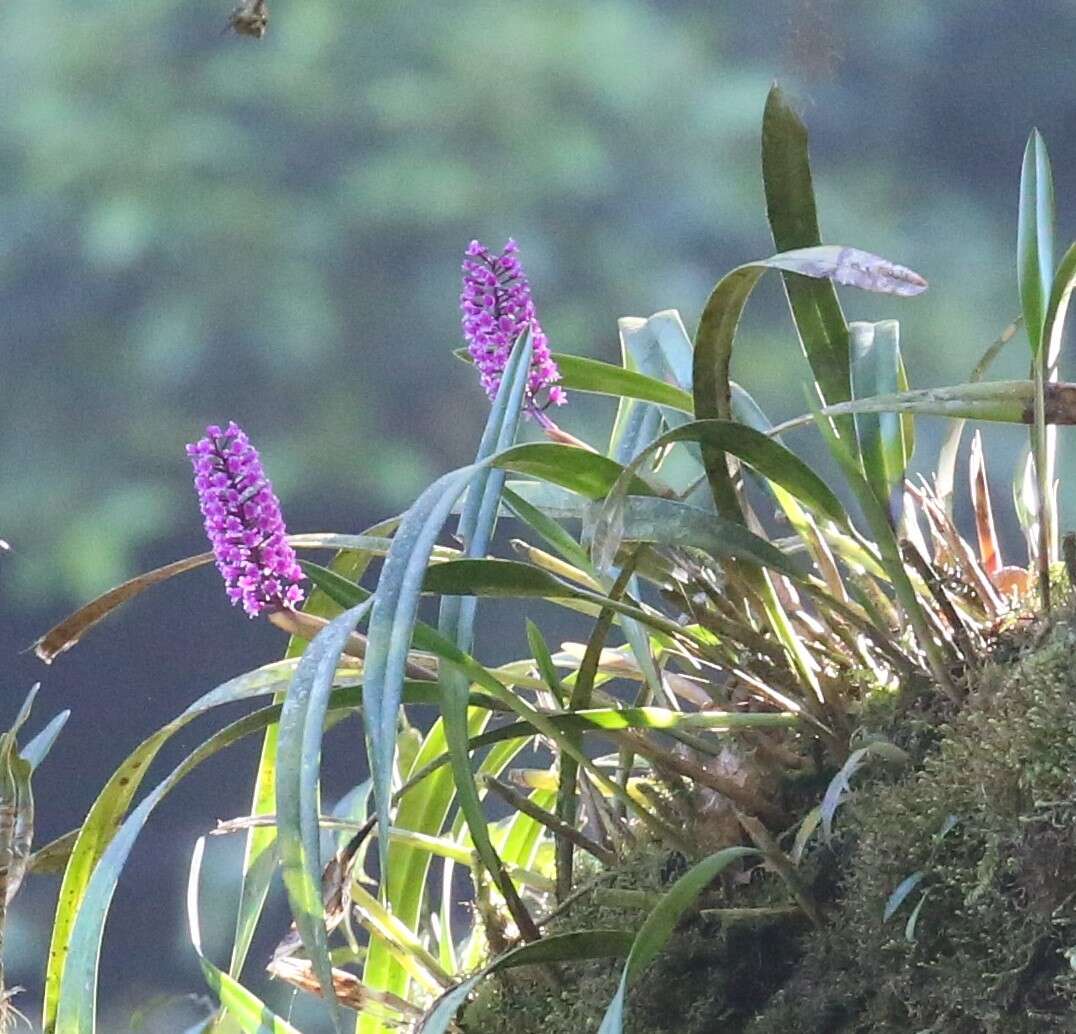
756,606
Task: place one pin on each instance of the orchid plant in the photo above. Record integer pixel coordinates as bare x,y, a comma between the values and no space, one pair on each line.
749,645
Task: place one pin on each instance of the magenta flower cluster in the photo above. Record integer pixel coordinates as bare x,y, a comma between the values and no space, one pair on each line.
244,523
496,307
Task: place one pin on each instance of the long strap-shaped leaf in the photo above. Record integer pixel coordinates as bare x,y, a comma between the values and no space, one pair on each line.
659,925
1003,402
298,767
68,632
456,622
392,622
248,1011
885,444
111,805
720,437
259,856
790,206
1035,275
717,331
76,1005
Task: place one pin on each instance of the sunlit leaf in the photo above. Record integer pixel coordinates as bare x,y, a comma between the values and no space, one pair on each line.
112,803
457,615
877,370
1035,237
298,769
581,374
246,1009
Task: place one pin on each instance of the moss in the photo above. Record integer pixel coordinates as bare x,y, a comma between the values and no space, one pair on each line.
986,813
709,979
990,820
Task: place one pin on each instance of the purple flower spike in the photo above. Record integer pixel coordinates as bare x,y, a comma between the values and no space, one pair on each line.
497,307
243,522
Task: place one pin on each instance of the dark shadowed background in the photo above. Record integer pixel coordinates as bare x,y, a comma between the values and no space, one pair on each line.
196,227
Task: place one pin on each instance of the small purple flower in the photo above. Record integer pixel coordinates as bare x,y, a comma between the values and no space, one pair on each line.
497,307
243,522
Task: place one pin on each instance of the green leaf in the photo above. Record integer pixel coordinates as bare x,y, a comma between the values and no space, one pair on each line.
591,375
1010,402
245,1008
790,206
111,805
659,925
422,810
546,528
1057,308
392,623
298,768
720,437
877,369
543,661
721,316
897,898
566,947
1035,238
76,995
457,615
889,552
581,471
666,332
259,857
666,522
38,748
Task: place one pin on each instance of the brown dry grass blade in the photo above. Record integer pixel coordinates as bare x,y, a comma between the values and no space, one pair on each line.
350,991
989,548
69,631
950,547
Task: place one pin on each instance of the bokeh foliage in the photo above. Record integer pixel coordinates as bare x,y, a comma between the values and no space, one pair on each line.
195,224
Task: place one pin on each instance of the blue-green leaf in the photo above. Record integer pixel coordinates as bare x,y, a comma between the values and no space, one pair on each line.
877,369
457,616
566,947
897,898
659,925
298,770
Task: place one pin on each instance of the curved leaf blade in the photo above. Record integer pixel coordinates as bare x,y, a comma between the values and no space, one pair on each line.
790,207
248,1011
298,768
568,947
659,925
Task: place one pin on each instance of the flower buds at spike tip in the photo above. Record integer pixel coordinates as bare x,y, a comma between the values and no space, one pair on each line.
243,522
496,308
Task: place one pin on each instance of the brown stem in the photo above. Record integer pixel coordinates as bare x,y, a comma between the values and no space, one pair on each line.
306,626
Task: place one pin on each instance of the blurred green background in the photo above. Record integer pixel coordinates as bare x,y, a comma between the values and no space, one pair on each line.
198,227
